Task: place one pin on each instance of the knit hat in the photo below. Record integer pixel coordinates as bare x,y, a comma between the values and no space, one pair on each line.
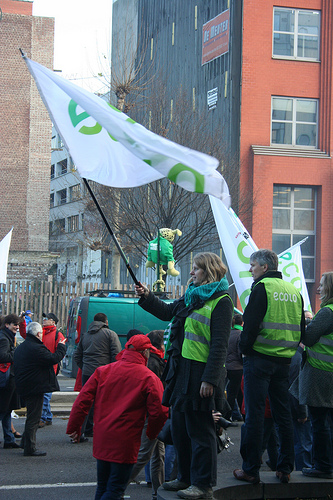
139,343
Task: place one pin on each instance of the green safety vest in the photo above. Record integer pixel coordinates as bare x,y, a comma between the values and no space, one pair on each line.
197,333
320,355
280,330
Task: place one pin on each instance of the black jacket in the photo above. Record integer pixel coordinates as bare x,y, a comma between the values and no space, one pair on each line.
253,315
9,399
183,377
34,372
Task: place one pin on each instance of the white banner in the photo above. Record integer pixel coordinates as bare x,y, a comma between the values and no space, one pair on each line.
238,246
110,148
290,265
4,251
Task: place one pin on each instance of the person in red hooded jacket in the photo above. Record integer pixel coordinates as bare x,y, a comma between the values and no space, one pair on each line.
123,393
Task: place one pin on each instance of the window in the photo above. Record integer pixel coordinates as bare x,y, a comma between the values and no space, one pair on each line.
73,223
294,215
59,226
75,192
294,121
296,34
52,172
62,167
51,200
62,197
56,142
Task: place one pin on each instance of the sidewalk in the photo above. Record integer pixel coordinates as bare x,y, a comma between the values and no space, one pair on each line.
62,401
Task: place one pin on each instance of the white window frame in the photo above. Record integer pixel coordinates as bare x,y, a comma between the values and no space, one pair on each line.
294,123
295,34
292,231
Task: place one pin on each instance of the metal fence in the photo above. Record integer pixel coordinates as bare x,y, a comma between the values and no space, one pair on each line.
51,296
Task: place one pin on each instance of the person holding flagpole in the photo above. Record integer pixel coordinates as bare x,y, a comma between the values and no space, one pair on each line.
195,370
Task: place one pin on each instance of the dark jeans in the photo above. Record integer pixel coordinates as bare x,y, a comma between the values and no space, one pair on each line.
34,406
270,442
194,439
261,377
303,444
322,429
234,390
112,479
88,424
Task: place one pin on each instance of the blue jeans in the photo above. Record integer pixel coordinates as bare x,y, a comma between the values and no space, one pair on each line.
170,457
6,427
322,428
112,480
303,444
264,377
46,413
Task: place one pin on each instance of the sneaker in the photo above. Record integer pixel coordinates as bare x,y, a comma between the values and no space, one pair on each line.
48,422
195,492
283,476
41,424
312,472
175,485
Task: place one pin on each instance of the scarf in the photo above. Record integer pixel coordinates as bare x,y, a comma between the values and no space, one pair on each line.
204,292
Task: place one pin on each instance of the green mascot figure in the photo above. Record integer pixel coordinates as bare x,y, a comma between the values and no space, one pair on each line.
165,256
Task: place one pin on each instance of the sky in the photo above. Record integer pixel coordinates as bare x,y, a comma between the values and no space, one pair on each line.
82,38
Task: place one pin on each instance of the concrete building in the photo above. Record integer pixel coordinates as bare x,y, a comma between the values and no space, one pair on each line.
25,139
76,260
263,72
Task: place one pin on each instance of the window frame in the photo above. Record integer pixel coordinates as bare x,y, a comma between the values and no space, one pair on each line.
291,231
294,123
295,34
73,223
62,200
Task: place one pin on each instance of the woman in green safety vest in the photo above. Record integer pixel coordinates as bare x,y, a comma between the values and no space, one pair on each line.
316,381
195,370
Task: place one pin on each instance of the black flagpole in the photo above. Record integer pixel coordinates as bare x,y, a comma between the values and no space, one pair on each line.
111,232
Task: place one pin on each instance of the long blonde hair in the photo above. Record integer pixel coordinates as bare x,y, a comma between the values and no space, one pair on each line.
212,266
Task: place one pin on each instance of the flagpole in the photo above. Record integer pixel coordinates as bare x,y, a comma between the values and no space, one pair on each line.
111,232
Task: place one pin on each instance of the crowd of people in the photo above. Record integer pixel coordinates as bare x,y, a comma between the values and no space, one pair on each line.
270,368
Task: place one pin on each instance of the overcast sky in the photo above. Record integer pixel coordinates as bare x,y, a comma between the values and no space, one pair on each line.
82,37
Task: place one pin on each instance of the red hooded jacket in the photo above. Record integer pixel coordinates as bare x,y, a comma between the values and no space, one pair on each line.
124,392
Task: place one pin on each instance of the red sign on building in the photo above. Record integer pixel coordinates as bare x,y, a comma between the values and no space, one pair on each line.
215,37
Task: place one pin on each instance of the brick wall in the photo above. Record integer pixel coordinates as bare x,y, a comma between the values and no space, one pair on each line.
16,7
25,129
263,77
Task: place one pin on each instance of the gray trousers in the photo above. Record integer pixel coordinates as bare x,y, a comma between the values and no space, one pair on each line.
155,452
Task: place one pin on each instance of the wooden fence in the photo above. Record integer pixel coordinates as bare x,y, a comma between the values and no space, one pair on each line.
51,296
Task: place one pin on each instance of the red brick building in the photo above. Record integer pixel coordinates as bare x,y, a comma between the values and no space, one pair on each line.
286,128
25,137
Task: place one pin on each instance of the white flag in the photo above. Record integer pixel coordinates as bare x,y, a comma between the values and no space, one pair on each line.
4,251
237,246
110,148
290,265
